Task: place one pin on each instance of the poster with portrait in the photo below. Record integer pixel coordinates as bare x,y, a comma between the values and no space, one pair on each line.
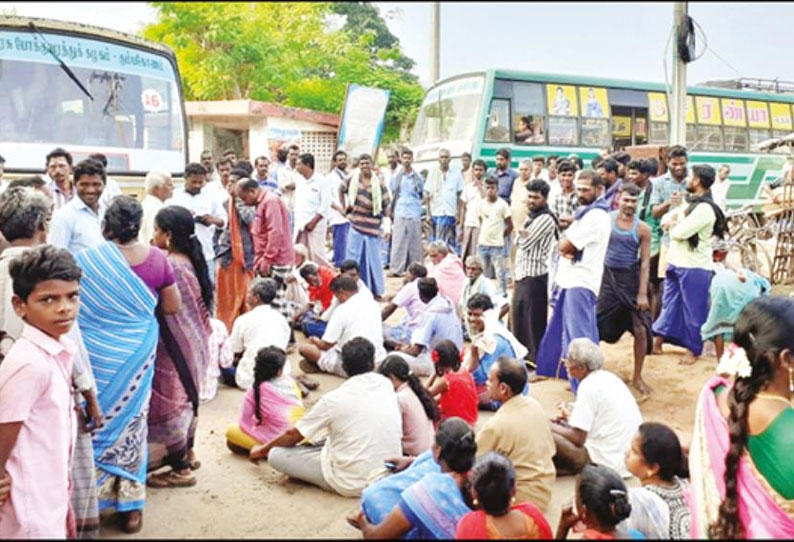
562,100
278,138
658,106
781,116
733,112
594,102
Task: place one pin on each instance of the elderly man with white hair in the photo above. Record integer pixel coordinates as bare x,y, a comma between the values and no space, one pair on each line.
447,269
159,188
604,419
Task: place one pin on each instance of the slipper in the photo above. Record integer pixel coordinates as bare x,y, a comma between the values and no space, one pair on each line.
309,383
170,479
308,368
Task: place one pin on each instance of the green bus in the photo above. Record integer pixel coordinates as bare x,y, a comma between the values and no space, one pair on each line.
553,114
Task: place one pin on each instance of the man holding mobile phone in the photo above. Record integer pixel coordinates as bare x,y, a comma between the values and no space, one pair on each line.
208,212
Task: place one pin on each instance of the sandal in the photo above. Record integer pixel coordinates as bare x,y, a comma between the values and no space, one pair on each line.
308,368
170,479
309,383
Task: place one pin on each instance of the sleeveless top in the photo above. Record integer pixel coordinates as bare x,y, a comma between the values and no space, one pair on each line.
623,249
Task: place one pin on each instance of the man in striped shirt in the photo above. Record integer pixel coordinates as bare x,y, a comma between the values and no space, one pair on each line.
535,241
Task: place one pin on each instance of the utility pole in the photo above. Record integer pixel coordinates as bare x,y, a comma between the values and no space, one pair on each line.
435,33
678,99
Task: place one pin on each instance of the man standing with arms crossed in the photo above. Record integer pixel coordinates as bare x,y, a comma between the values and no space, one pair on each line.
444,203
312,208
685,301
581,265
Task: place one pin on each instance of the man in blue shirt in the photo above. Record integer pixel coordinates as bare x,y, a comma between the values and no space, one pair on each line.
443,189
504,174
407,188
261,176
78,225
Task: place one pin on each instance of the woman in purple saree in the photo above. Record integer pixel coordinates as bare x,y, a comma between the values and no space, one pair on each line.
182,353
740,461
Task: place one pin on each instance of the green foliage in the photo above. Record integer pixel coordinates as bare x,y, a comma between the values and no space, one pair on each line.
284,52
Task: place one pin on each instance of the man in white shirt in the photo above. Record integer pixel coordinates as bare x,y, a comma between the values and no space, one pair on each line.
218,187
260,327
340,226
78,225
358,315
604,419
578,278
288,178
473,193
362,422
208,162
112,188
159,188
206,209
719,190
59,176
312,208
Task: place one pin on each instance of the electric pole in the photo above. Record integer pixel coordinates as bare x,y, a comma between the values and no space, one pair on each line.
435,33
678,98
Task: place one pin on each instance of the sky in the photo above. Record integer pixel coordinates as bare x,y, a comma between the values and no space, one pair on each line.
617,40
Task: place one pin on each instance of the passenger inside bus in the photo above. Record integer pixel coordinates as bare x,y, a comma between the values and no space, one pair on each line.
530,131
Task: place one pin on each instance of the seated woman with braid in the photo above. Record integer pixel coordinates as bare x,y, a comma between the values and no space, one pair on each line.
270,407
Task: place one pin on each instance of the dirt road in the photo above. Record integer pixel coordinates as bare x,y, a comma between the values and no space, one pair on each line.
236,499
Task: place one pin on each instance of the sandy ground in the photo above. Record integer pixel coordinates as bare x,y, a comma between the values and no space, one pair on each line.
236,499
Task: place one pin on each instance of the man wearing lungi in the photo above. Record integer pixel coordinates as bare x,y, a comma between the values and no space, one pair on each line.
581,265
685,300
623,299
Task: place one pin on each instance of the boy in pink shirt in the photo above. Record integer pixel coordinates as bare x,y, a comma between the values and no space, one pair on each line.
37,422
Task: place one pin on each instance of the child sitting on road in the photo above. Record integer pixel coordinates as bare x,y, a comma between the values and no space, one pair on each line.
36,418
271,406
454,388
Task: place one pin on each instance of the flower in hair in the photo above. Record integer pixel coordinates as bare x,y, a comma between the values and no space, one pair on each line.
734,362
434,356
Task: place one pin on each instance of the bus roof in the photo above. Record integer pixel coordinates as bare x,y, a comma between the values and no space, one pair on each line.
52,25
623,83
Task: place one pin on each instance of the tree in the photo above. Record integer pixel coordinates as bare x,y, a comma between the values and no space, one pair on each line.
284,52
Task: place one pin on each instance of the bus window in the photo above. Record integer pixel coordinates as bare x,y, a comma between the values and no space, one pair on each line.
735,138
595,133
528,118
498,128
562,131
709,138
757,136
658,133
450,111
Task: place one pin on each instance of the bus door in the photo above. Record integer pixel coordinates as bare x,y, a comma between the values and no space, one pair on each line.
629,117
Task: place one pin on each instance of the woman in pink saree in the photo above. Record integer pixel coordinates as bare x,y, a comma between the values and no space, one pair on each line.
740,461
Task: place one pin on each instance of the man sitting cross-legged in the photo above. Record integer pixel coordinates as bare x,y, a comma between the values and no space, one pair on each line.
361,419
357,315
604,418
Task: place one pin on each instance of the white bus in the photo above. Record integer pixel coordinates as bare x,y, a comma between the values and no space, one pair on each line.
89,89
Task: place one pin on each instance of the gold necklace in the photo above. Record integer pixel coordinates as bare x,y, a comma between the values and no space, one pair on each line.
773,397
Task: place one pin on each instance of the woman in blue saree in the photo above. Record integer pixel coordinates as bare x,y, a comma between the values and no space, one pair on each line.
119,294
431,507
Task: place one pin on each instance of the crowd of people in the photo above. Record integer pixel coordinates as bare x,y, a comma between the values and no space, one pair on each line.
120,318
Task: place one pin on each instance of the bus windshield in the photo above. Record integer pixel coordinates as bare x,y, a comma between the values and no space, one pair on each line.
135,119
449,112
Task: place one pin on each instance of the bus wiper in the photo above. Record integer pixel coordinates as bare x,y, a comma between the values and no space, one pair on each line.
64,67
